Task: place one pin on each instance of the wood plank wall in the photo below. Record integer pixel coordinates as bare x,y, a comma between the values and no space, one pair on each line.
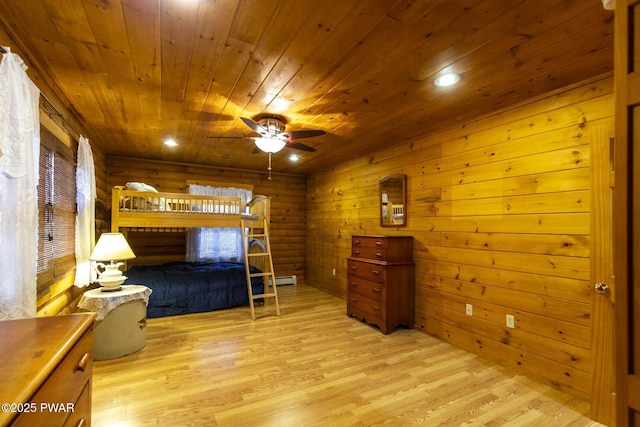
499,210
288,208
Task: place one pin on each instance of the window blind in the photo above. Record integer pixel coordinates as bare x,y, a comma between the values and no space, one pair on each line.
56,212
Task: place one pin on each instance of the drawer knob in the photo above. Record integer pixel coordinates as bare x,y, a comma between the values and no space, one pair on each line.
378,254
375,307
354,268
376,290
354,300
356,242
379,243
356,251
84,361
354,284
376,272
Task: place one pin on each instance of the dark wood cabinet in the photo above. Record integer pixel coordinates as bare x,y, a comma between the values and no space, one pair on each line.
380,281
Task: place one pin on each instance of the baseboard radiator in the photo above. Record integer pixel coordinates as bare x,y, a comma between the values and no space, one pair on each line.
285,280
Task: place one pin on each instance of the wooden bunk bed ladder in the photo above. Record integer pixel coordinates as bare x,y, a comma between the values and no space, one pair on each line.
261,259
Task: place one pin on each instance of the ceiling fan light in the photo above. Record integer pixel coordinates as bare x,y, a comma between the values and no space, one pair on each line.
609,4
270,145
447,79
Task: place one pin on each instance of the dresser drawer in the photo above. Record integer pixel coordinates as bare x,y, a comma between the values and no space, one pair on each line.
374,290
365,307
81,416
72,374
382,248
62,391
369,253
369,242
365,270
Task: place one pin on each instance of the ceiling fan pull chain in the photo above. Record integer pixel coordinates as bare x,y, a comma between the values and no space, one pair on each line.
269,166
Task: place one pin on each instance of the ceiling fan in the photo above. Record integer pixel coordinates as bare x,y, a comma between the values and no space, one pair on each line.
272,136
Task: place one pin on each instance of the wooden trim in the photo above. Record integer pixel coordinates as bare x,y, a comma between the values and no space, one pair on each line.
633,89
260,172
625,236
633,389
55,128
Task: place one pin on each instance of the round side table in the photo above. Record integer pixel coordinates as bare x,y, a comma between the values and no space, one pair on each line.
121,320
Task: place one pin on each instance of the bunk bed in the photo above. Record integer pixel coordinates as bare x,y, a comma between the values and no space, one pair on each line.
189,287
152,209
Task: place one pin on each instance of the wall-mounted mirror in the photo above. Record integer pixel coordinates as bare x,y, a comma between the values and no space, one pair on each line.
393,201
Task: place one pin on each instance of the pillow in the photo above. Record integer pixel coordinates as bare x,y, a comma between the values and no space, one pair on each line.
140,186
151,203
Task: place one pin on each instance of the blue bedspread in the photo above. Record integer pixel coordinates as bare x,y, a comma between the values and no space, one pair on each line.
183,287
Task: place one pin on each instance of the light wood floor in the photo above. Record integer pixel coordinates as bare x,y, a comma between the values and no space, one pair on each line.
312,366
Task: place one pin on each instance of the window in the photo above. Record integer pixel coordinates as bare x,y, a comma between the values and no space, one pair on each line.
220,244
216,244
56,212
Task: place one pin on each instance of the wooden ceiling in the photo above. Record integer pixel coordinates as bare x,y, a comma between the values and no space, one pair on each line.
137,71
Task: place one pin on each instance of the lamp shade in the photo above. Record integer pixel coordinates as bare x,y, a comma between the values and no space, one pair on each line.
270,145
111,246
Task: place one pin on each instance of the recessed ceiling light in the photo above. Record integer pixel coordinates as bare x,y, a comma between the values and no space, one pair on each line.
170,142
447,79
294,157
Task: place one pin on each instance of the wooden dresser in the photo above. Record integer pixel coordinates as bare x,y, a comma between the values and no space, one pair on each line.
46,371
380,281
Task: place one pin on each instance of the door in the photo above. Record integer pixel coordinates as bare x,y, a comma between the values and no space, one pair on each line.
603,403
627,212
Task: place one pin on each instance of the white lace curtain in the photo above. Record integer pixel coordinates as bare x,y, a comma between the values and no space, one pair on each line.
19,160
85,220
216,244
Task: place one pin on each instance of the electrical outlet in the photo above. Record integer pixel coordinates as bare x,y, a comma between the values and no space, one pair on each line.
469,310
511,321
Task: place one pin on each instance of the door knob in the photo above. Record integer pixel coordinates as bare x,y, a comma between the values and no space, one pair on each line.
602,288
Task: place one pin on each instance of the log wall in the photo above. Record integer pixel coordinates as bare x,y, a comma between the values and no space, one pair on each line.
288,207
499,209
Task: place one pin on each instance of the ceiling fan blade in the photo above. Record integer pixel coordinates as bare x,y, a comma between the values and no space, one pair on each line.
299,146
253,125
299,134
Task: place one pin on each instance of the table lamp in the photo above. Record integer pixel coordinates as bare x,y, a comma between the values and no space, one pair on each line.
111,247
